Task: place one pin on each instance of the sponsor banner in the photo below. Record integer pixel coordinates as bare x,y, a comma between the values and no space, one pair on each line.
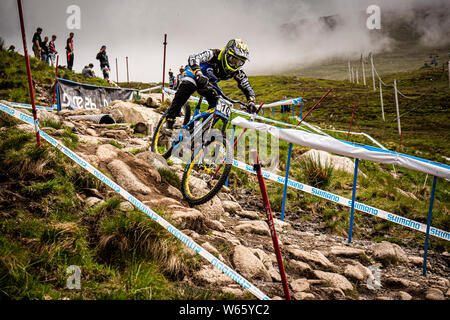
74,95
347,202
142,207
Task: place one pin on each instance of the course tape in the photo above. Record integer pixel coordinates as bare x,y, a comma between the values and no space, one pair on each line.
138,204
347,202
28,106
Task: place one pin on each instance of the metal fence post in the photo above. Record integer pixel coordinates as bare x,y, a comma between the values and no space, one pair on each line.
355,178
427,236
288,164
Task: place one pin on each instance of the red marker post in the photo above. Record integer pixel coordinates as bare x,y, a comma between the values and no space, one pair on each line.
30,80
273,233
164,67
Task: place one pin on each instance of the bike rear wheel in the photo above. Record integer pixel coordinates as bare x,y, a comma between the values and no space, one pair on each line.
207,172
162,142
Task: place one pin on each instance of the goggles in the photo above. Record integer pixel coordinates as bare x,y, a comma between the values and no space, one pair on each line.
234,62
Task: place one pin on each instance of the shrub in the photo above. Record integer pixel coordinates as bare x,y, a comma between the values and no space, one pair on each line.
317,175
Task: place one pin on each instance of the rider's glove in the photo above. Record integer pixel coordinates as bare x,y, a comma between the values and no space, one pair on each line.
251,107
201,80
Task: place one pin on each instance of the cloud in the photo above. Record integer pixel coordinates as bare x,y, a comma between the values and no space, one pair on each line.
135,29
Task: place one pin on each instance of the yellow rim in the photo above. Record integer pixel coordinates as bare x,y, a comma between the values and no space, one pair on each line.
191,165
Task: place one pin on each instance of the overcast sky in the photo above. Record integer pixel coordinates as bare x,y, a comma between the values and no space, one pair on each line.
135,28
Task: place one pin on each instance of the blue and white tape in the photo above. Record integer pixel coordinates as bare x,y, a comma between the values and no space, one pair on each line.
347,202
138,204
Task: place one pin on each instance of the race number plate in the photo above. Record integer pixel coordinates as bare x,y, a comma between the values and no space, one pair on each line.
224,108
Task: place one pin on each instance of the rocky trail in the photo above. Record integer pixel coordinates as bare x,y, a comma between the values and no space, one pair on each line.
232,225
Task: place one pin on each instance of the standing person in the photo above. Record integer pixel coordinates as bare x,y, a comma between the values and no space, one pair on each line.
212,66
52,52
69,51
171,79
44,47
11,49
104,63
37,40
178,78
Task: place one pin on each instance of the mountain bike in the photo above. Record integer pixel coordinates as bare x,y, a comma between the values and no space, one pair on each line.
211,153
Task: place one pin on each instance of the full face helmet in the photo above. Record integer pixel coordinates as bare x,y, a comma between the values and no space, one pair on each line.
233,55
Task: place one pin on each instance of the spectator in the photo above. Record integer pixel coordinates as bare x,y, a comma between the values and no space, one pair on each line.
69,51
104,63
88,72
52,52
37,40
178,78
44,47
11,49
171,79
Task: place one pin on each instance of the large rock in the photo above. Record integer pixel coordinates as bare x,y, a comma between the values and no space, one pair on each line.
107,152
314,256
300,285
125,178
155,160
338,162
256,227
249,265
231,206
128,112
357,271
388,253
346,251
434,294
212,275
212,209
189,219
336,280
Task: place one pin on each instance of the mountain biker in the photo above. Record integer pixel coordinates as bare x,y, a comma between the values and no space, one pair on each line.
212,66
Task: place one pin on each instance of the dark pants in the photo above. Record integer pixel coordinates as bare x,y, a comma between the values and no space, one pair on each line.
69,60
184,91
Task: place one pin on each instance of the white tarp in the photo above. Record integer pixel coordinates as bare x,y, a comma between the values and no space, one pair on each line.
329,144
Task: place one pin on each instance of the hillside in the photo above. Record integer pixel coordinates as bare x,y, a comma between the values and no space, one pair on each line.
53,214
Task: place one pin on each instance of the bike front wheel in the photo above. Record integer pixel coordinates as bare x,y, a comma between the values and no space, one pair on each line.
207,172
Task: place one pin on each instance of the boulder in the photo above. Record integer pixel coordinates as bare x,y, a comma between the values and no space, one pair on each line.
189,219
248,214
107,152
231,206
212,209
256,227
357,271
346,251
249,265
212,275
155,160
125,178
314,256
335,279
300,285
128,112
434,294
92,201
388,253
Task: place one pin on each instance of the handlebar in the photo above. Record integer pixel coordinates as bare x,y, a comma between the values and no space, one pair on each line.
219,91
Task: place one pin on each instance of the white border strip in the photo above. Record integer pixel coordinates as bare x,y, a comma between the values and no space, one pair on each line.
347,202
138,204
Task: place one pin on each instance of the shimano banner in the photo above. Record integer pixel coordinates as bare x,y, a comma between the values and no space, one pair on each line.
73,95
